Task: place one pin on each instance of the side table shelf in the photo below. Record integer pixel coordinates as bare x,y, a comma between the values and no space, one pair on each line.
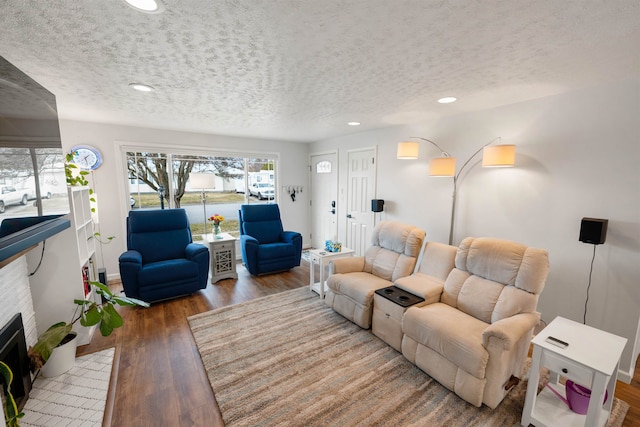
591,359
223,257
322,258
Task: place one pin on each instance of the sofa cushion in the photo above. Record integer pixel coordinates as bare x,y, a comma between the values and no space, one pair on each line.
276,250
173,270
438,259
359,286
422,285
449,332
394,251
495,279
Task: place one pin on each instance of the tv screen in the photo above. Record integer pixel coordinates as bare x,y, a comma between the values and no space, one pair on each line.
33,191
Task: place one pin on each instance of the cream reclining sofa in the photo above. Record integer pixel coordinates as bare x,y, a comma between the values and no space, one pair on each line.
476,336
435,263
353,280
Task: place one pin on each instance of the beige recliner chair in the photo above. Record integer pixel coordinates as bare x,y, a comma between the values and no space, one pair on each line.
476,337
353,280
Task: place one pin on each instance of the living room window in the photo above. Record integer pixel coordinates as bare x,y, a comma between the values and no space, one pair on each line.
236,180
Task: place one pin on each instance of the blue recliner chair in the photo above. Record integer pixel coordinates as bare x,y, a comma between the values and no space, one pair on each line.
266,248
161,260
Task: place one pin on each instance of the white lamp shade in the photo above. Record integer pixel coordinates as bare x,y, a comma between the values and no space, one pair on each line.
202,180
442,166
499,156
408,150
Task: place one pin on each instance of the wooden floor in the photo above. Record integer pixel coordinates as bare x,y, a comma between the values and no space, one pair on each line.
160,380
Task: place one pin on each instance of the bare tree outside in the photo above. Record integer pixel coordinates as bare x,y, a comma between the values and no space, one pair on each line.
152,169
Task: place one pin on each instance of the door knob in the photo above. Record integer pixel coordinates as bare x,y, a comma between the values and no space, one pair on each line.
349,216
333,211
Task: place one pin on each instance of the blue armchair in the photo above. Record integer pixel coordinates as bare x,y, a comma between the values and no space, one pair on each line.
161,260
266,248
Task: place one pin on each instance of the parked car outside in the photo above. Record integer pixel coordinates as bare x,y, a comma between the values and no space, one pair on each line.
9,195
262,190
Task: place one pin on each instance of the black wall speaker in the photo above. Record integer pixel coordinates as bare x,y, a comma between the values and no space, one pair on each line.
377,205
593,230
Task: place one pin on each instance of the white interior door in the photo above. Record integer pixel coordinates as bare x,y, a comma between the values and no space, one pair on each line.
360,190
324,198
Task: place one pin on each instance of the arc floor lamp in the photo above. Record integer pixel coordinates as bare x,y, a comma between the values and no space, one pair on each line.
445,165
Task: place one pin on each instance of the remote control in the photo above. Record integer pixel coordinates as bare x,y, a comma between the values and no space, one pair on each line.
557,342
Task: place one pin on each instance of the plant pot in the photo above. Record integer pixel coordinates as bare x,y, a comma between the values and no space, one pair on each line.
62,358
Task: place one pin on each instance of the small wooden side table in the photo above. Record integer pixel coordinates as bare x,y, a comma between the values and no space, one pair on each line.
322,258
223,257
591,359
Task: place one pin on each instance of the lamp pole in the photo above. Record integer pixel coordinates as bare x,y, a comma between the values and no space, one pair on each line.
455,189
455,176
204,210
161,194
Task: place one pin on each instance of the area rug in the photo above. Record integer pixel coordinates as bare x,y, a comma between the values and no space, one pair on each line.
289,360
75,398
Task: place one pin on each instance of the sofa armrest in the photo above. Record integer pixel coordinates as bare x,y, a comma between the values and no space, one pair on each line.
290,236
425,286
194,249
510,329
346,265
130,263
133,258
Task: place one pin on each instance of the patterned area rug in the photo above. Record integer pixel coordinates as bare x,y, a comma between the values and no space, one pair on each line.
288,360
75,398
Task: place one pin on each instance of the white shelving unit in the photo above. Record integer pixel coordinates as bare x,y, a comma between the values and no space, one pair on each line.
59,280
82,224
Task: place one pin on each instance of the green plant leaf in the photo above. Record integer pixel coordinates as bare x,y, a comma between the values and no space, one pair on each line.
11,413
91,317
50,339
129,302
102,289
114,316
111,319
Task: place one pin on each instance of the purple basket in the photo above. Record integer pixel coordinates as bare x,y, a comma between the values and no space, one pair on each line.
578,397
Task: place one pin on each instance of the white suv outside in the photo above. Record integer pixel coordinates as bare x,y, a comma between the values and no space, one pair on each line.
262,190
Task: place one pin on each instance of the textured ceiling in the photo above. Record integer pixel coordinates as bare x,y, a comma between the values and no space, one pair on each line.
300,69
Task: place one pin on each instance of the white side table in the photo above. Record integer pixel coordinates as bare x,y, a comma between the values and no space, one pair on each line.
223,257
591,359
322,258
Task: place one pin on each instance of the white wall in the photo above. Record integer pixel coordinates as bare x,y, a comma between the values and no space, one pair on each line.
15,297
109,185
578,155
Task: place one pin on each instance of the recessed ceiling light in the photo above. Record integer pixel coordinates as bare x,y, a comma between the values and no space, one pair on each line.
354,123
141,87
146,6
447,100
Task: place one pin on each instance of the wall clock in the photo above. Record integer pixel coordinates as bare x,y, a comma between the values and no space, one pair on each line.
86,157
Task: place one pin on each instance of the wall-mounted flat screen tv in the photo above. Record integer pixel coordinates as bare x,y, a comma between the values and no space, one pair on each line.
33,190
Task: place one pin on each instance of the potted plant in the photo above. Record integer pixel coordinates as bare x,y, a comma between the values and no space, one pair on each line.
88,313
11,414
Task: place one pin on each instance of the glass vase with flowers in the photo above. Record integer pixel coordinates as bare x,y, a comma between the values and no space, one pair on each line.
216,219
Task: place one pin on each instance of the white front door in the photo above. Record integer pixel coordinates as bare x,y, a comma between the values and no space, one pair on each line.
361,188
324,198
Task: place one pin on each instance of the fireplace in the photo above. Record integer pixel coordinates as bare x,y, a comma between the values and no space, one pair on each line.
13,352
